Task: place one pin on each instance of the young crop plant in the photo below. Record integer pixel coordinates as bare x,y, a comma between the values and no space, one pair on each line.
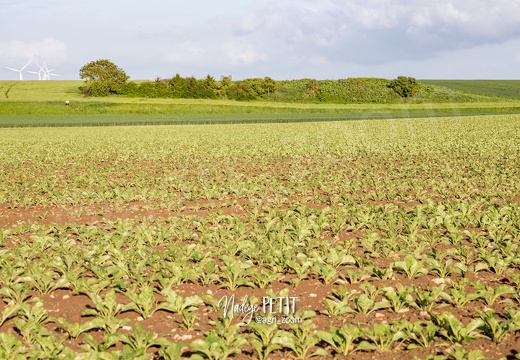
189,316
371,290
68,267
495,261
382,273
337,303
455,331
494,328
325,272
262,337
513,314
31,320
352,276
174,303
45,280
420,333
9,311
100,349
398,298
11,347
142,300
443,268
139,341
15,291
488,295
427,299
410,267
301,338
86,285
47,346
171,351
338,257
208,272
343,340
264,278
457,295
365,304
235,273
383,337
74,330
219,345
106,308
459,353
301,267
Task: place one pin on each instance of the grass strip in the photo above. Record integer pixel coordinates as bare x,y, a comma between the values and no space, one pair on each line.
7,121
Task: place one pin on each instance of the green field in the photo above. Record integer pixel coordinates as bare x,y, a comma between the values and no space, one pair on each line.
42,103
498,88
394,237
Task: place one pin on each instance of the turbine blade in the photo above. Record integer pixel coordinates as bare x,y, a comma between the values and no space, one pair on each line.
25,66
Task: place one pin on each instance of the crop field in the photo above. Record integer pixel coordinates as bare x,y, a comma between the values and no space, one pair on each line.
365,239
499,88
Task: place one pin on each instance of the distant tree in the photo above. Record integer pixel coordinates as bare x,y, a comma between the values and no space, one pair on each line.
178,86
269,85
102,77
130,88
241,90
405,86
208,87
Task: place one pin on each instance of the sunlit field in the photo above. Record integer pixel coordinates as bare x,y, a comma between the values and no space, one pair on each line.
381,238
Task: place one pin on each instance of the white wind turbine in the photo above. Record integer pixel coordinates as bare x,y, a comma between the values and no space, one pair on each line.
48,73
41,73
20,71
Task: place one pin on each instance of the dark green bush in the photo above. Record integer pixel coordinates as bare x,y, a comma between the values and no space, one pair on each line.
405,86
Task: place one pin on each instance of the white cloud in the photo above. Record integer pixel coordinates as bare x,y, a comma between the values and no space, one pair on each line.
187,53
49,50
241,52
381,31
286,39
488,19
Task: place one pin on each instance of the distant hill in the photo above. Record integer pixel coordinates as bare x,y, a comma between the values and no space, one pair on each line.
500,88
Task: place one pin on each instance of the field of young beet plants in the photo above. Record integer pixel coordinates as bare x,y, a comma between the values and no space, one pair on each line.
374,239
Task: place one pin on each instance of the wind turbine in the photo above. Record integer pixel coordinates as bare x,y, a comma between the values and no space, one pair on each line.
39,73
48,73
20,71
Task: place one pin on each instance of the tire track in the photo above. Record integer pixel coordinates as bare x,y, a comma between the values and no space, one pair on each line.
9,86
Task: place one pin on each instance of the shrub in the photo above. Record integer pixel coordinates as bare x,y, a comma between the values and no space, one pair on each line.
405,86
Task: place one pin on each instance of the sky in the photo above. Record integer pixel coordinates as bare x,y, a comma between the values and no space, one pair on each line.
283,39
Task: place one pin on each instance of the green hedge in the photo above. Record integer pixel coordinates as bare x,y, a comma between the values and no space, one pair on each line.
343,91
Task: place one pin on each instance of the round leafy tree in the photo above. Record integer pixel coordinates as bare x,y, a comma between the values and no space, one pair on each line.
405,86
102,77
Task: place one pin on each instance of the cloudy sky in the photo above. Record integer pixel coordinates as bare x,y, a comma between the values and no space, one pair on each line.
284,39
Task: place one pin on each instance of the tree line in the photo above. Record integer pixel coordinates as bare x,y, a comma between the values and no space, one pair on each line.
103,78
206,88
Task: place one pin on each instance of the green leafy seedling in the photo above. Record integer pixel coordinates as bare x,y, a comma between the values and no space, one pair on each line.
455,331
342,339
495,329
11,347
410,266
301,339
382,337
262,337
